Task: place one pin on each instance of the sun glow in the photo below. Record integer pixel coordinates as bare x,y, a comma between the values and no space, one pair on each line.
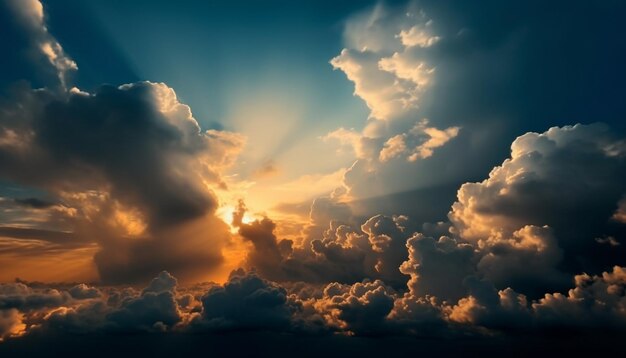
226,213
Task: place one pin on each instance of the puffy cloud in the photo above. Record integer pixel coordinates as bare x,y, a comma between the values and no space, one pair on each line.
87,309
563,178
387,237
438,267
325,209
128,161
418,143
150,311
388,58
595,302
527,261
333,248
163,282
246,301
25,298
418,315
82,291
360,308
486,307
386,76
418,35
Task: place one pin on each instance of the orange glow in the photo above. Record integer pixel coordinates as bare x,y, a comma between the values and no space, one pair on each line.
226,214
31,264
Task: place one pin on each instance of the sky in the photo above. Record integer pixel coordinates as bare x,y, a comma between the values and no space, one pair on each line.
422,176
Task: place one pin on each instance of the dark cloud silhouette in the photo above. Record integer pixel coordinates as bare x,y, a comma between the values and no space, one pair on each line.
82,291
135,153
245,302
25,298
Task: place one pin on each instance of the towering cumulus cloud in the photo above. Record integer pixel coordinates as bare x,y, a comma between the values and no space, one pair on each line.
388,58
540,214
129,167
132,169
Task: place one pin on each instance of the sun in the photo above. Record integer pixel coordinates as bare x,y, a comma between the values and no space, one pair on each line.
226,214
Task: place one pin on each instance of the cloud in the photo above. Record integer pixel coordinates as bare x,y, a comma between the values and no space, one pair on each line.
150,311
334,247
438,267
361,308
30,13
129,161
162,283
245,302
377,60
595,302
24,298
11,323
562,179
129,168
82,291
388,57
418,143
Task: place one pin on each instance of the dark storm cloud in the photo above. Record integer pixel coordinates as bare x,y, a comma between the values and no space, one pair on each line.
142,150
245,302
118,133
126,161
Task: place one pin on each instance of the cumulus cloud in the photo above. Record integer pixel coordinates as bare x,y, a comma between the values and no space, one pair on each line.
361,308
24,298
562,179
368,308
127,167
163,282
438,267
596,301
82,291
333,247
418,143
246,301
385,75
151,311
130,161
388,58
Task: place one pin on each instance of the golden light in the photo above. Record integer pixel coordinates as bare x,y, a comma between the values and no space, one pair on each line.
226,213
